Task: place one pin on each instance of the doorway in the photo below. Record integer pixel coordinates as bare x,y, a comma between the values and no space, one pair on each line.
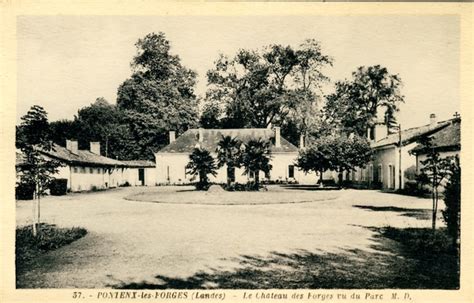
141,176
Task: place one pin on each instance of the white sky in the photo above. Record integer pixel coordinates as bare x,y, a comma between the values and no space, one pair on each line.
65,62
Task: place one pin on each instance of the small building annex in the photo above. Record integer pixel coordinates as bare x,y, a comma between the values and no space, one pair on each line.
171,160
393,154
88,169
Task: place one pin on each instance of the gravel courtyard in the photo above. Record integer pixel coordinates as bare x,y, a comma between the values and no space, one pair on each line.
158,245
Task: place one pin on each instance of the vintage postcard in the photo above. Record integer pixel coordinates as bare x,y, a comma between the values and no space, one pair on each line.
239,151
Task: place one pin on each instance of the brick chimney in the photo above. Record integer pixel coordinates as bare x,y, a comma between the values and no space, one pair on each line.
277,137
433,120
95,148
302,141
72,146
172,136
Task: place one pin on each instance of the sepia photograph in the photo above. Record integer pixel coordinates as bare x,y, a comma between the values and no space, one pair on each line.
244,152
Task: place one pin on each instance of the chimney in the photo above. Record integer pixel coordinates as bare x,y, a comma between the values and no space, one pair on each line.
433,120
95,148
72,146
172,136
277,137
380,131
302,141
201,135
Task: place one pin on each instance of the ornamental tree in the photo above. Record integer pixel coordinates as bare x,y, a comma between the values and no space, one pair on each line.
201,163
228,153
256,156
32,137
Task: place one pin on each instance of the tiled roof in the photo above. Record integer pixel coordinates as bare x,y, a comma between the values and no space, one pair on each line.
139,163
410,135
82,157
211,137
447,138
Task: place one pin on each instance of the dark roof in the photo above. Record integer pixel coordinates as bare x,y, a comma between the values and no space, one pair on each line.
82,157
448,138
211,137
139,163
410,135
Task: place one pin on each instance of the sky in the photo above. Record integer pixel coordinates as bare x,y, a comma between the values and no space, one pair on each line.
66,62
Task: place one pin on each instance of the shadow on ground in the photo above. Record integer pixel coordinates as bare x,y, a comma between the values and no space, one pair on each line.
417,213
388,264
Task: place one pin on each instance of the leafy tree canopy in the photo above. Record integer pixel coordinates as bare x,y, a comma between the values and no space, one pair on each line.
335,152
159,96
259,88
356,102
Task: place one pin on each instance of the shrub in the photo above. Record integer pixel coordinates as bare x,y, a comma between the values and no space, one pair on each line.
58,187
126,184
24,191
410,173
249,186
421,241
49,238
452,200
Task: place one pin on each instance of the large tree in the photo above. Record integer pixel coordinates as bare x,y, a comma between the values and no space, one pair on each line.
337,152
32,138
356,102
159,96
100,121
256,88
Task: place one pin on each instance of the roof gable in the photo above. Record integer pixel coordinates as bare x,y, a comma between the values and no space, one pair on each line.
211,137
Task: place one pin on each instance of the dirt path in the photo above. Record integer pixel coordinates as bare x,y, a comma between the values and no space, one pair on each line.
149,243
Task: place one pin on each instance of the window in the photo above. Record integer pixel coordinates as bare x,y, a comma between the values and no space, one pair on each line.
91,170
75,170
372,133
291,171
83,170
252,175
380,173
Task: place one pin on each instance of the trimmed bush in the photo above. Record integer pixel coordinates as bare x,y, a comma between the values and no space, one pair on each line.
24,191
58,187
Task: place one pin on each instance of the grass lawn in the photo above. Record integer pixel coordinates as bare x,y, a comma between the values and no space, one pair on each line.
29,248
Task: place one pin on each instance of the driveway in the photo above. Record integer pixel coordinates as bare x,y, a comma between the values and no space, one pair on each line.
131,243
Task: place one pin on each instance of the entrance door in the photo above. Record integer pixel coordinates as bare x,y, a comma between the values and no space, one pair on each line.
141,176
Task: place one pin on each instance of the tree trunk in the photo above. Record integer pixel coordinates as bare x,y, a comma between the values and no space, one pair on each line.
433,217
229,169
35,217
321,178
339,176
257,179
201,180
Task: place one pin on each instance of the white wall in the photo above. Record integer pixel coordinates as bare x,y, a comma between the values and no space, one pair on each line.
170,169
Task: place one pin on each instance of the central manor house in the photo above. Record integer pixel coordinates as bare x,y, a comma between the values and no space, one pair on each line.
171,161
393,155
